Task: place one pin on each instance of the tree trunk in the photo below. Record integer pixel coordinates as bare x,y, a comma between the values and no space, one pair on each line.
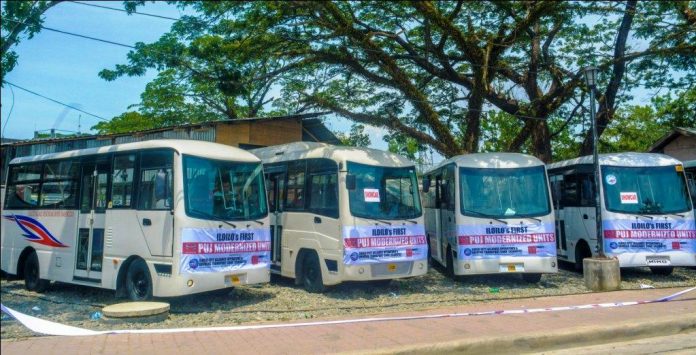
541,141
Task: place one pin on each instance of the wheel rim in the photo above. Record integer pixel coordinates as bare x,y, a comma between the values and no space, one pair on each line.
311,273
140,284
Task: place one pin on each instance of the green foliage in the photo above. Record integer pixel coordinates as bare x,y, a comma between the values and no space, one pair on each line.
406,146
356,138
19,18
130,121
424,70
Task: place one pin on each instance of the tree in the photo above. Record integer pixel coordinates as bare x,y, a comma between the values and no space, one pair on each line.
19,18
356,138
432,71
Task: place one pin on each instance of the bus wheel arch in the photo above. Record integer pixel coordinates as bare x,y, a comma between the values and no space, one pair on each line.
308,271
582,251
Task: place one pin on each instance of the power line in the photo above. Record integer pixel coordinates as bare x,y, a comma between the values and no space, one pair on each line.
56,101
78,35
122,10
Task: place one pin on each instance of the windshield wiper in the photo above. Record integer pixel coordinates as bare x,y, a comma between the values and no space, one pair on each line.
645,216
484,215
214,217
258,221
377,219
414,222
676,214
534,218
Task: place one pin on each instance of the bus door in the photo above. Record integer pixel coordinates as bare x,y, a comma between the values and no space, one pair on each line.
276,190
90,222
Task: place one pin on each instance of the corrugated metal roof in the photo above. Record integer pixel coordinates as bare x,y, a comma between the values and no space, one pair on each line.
658,146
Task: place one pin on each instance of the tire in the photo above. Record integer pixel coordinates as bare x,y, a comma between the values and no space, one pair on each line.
531,278
430,254
449,268
32,281
138,281
582,251
662,270
311,273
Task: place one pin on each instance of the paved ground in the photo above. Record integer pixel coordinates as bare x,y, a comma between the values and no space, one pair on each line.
670,344
532,332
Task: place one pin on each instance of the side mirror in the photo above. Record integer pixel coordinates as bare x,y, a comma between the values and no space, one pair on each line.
161,185
426,184
350,182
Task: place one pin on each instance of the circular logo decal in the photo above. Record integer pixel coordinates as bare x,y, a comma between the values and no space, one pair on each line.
611,179
354,256
193,264
613,245
467,252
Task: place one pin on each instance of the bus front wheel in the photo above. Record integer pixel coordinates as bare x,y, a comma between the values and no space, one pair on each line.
311,273
32,281
662,270
138,281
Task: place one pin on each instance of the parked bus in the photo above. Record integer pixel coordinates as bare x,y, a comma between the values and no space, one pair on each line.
155,218
646,212
690,170
342,214
490,213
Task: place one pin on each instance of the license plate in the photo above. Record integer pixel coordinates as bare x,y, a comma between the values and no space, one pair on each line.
231,280
658,261
511,267
391,267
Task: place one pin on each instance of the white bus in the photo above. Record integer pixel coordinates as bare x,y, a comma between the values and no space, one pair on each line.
490,213
155,218
646,212
343,214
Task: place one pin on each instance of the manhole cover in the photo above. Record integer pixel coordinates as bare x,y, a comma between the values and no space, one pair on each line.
135,309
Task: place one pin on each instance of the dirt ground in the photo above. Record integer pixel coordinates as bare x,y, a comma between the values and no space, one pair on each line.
281,300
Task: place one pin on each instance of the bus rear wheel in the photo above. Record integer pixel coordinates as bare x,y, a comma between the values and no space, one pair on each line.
311,273
138,281
662,270
582,251
32,281
531,278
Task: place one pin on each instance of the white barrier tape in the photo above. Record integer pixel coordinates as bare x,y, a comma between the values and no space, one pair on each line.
52,328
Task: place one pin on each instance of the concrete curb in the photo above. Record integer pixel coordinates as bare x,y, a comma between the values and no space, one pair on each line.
563,339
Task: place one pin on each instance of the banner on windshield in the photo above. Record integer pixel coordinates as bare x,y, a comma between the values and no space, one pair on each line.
221,250
375,244
655,236
488,241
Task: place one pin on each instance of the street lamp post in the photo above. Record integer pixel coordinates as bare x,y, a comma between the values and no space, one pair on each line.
591,81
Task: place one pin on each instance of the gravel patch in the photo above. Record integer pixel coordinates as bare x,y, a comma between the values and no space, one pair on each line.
282,301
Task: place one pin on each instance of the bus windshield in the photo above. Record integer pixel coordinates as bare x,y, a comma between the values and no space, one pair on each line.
384,193
504,193
224,190
648,190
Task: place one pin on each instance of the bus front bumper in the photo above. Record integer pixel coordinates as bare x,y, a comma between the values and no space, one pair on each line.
504,265
186,284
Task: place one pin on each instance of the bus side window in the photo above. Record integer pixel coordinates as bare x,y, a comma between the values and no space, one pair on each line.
295,198
122,180
23,186
155,166
60,184
570,191
556,183
587,195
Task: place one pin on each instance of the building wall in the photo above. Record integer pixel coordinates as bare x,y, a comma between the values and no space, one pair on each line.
682,148
260,133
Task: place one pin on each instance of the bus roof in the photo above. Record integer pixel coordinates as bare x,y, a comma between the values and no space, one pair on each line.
492,160
621,159
339,154
192,147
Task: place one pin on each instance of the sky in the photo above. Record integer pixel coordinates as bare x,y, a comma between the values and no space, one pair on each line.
65,68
